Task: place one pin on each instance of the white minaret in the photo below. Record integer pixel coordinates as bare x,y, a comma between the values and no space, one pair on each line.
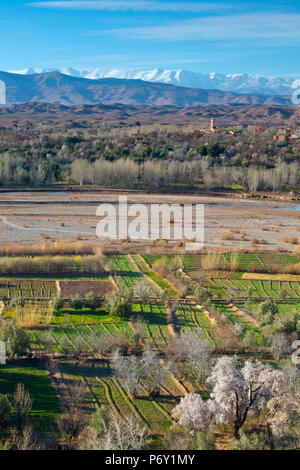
212,125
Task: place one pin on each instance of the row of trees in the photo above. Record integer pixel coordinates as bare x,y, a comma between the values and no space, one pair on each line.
51,264
128,174
253,179
154,174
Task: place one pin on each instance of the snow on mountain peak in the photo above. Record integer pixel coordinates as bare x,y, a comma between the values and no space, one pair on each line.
236,82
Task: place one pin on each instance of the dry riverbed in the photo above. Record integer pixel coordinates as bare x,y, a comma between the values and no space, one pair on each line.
34,217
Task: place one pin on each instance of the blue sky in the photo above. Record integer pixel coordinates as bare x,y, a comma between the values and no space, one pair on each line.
219,36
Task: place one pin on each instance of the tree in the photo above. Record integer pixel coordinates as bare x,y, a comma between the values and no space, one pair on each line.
117,303
77,302
142,291
153,371
72,421
5,411
267,312
127,370
91,301
194,345
22,405
111,432
58,303
202,295
16,340
280,345
194,413
251,388
250,339
79,171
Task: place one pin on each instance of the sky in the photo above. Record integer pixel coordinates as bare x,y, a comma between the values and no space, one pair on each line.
260,37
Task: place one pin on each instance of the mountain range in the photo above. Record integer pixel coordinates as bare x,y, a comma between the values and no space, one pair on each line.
83,115
237,82
58,88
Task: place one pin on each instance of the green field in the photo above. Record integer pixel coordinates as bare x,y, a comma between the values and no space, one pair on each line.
34,377
74,333
104,389
255,288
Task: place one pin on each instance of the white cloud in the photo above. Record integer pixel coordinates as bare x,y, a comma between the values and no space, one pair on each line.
231,27
126,5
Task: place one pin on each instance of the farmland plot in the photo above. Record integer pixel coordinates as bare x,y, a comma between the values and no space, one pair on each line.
256,288
160,281
234,319
189,316
126,274
99,288
104,389
27,288
285,308
155,323
63,336
36,381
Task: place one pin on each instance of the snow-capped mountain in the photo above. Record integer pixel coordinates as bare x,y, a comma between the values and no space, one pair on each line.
238,83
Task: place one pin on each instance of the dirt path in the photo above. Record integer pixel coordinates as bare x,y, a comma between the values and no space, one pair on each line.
244,316
43,229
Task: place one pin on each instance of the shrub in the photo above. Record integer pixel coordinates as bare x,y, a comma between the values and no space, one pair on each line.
77,302
16,302
201,294
58,303
91,301
16,340
117,303
254,441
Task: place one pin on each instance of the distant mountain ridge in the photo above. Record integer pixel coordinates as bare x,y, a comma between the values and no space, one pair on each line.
99,114
58,88
236,82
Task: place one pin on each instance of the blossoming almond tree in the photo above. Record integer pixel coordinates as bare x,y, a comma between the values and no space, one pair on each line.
241,391
238,391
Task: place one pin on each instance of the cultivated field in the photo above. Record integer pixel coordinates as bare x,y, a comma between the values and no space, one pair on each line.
75,345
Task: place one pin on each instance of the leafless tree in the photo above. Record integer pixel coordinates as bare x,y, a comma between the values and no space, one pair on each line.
194,345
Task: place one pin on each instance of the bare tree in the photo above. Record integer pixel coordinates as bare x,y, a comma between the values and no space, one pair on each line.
22,405
142,291
280,345
154,371
127,370
79,171
194,345
111,432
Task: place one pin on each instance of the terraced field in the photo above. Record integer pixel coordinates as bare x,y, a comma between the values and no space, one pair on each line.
104,389
125,273
284,307
264,262
155,323
36,381
73,331
189,316
63,336
255,288
27,288
234,319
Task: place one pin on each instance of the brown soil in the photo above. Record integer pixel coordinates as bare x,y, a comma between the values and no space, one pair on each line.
71,288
